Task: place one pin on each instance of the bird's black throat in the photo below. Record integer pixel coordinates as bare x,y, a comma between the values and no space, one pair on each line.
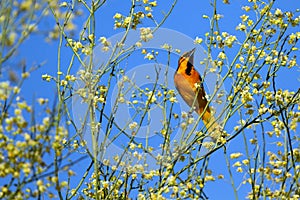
189,68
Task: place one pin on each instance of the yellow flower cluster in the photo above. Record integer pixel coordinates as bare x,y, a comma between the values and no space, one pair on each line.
77,45
146,34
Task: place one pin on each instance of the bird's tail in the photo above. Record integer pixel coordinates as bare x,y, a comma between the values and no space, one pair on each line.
213,127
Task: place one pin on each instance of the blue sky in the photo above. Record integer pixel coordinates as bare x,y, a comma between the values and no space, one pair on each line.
186,18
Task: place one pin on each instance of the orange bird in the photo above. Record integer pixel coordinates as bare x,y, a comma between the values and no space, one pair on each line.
189,83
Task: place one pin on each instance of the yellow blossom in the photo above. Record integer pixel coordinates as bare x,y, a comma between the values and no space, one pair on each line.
237,164
198,40
222,55
63,4
278,13
246,8
138,44
239,169
220,176
146,34
241,27
244,17
149,56
63,82
117,16
173,99
235,155
149,15
277,171
209,178
153,3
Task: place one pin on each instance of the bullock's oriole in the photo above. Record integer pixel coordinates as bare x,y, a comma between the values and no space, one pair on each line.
189,83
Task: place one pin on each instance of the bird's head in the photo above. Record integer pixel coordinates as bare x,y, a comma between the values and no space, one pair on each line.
189,54
186,61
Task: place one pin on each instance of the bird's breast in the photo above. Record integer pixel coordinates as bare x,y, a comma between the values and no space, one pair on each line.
185,89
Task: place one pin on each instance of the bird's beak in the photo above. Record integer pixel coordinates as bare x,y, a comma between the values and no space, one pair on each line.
191,52
190,55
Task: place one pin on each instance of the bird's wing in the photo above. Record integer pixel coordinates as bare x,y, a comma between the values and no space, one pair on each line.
185,90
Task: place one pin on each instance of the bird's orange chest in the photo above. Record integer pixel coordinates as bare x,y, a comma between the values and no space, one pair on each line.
193,76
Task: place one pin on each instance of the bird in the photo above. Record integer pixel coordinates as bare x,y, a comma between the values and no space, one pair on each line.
189,83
